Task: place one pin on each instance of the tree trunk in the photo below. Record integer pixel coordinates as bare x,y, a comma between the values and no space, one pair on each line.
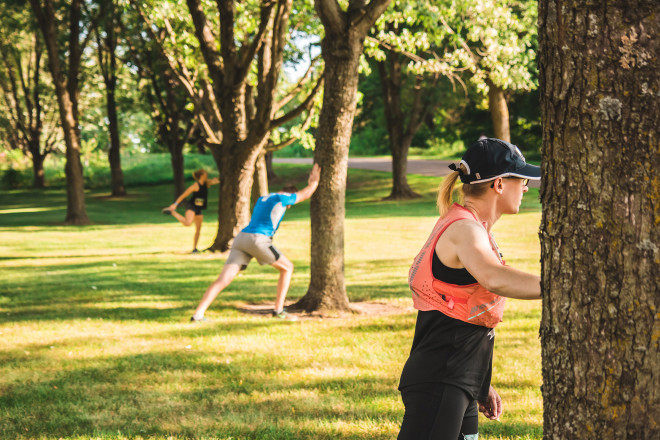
327,288
499,112
177,161
260,182
114,155
38,180
401,190
270,171
601,207
76,213
391,83
236,177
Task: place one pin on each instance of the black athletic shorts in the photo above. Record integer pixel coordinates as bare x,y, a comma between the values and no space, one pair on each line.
196,209
437,411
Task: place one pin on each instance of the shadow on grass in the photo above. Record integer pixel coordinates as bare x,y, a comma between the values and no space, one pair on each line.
140,289
132,395
233,394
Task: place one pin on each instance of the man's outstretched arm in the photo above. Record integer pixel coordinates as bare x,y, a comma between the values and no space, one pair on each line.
312,184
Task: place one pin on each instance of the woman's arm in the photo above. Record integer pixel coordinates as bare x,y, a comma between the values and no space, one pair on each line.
191,189
213,181
473,249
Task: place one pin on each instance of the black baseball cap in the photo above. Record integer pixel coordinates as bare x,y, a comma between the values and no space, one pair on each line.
490,158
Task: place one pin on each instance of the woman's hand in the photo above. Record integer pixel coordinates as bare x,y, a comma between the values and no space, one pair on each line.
493,408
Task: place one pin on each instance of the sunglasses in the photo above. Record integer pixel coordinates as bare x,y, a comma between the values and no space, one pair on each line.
524,181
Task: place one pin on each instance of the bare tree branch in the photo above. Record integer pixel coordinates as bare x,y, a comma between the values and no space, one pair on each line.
293,92
247,52
305,105
331,15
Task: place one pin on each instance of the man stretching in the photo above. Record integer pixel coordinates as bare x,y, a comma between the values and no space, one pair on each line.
256,241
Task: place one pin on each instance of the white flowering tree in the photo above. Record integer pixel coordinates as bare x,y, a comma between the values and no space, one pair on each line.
413,50
497,39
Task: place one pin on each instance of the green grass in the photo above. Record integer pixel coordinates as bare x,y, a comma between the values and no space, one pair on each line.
95,343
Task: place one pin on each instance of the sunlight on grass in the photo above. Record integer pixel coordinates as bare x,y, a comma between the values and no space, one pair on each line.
95,340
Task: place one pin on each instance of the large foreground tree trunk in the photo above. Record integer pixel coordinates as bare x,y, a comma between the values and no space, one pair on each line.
341,49
499,112
599,79
76,212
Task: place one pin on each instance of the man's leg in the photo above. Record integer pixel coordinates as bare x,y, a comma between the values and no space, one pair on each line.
229,271
286,270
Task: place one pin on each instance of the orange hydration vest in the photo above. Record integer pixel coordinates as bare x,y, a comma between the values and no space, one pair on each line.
472,303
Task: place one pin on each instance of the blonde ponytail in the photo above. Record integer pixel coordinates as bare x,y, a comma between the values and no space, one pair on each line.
446,193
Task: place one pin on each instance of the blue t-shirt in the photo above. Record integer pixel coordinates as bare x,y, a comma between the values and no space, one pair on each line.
268,213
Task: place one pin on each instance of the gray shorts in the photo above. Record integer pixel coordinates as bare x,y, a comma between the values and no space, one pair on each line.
246,246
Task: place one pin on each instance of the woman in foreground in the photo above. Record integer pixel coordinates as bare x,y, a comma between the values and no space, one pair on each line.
459,283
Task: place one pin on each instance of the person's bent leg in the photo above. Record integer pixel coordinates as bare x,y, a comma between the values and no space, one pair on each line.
286,270
433,412
229,272
198,219
187,220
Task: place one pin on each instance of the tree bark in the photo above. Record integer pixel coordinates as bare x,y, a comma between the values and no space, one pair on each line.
270,171
177,160
601,207
39,178
341,49
114,155
76,211
235,190
108,62
499,112
260,179
400,136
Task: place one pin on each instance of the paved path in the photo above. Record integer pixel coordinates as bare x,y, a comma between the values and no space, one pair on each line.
425,167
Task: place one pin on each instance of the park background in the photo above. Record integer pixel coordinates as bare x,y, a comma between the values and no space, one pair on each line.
95,342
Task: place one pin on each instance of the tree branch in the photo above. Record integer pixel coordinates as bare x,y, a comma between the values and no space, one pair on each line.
247,52
207,41
270,147
365,17
334,19
305,105
293,92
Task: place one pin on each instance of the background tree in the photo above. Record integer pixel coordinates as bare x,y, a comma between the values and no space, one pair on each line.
28,120
341,48
497,40
234,95
409,46
106,44
599,78
69,45
168,103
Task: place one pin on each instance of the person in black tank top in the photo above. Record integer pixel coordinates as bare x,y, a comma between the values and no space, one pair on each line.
198,193
445,382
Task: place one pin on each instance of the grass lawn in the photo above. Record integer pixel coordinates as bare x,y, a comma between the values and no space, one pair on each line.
95,340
